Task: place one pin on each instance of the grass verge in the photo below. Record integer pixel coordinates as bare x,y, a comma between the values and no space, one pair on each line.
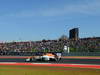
44,70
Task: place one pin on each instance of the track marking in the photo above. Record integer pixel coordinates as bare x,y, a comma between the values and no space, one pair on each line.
50,64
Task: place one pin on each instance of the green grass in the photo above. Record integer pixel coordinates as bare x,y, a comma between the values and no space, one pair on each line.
38,70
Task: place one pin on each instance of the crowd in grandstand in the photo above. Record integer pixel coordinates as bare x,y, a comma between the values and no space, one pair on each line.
81,45
86,45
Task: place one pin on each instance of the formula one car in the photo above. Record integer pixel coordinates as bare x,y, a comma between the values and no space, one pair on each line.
46,57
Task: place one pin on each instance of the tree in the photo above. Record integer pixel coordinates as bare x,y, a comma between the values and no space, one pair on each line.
63,37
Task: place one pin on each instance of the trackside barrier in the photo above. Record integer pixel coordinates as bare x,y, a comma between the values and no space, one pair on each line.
39,53
82,54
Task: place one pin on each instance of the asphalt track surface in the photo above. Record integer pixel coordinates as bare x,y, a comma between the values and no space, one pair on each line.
90,61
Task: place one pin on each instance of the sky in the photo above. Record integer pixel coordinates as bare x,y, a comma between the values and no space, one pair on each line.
23,20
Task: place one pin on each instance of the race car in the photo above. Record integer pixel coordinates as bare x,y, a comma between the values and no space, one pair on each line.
46,57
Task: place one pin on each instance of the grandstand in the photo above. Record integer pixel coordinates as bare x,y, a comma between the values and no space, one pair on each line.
82,45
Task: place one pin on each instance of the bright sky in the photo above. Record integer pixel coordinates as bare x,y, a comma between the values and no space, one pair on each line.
47,19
